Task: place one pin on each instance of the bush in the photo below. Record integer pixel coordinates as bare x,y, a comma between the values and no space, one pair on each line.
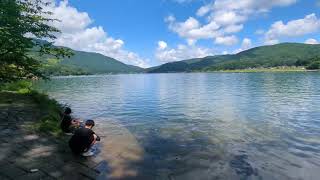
314,65
51,110
22,86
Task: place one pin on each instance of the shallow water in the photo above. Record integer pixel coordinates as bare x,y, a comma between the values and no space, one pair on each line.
201,126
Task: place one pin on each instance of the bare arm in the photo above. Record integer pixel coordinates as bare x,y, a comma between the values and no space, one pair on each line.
94,139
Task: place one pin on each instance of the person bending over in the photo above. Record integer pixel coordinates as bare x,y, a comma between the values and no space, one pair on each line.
83,139
68,125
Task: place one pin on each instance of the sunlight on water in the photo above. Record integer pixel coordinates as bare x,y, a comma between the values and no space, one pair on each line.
201,126
120,148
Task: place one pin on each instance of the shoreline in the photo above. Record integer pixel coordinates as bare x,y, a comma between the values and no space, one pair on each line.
36,147
267,70
252,70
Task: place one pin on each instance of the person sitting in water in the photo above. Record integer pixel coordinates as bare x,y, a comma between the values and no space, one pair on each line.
68,125
83,139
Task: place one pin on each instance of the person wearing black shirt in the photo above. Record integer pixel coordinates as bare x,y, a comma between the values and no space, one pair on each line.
67,123
83,139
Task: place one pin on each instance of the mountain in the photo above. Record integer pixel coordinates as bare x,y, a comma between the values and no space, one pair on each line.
86,63
285,54
97,63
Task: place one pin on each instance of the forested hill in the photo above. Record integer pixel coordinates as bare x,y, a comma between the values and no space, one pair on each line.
285,54
86,63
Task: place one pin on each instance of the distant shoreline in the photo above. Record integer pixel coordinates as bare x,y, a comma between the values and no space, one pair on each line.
274,69
251,70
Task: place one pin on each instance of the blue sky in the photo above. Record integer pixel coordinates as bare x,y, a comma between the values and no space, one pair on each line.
153,32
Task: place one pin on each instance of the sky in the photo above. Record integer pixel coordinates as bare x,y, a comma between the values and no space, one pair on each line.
147,33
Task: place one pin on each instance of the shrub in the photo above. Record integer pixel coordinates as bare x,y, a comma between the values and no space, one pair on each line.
22,86
314,65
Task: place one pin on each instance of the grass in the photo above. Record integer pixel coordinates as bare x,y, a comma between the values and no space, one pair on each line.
48,110
51,114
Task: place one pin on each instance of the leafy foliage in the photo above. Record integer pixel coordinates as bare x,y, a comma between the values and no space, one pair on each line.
314,65
310,64
22,86
21,22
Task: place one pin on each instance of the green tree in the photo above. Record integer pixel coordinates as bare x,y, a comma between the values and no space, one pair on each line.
22,24
314,65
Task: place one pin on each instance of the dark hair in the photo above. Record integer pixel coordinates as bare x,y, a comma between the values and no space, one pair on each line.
90,122
67,110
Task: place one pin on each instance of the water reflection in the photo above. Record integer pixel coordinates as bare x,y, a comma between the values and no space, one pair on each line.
202,126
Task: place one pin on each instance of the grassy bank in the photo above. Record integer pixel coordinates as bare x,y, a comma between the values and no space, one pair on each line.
45,116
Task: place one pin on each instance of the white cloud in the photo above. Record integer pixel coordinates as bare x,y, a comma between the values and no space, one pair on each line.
192,30
77,34
228,17
271,41
71,19
311,41
162,45
182,52
225,17
295,28
225,52
227,40
233,28
245,45
204,10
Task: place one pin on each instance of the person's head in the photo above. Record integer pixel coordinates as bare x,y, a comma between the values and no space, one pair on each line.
89,123
67,110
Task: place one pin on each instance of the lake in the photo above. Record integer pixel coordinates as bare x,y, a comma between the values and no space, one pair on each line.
201,125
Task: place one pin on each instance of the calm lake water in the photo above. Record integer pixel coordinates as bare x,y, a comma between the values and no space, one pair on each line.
201,126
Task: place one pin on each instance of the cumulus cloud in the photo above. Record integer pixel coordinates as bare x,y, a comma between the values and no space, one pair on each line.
181,52
77,34
225,52
245,45
192,30
225,17
204,10
295,28
162,45
227,40
71,19
233,28
311,41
